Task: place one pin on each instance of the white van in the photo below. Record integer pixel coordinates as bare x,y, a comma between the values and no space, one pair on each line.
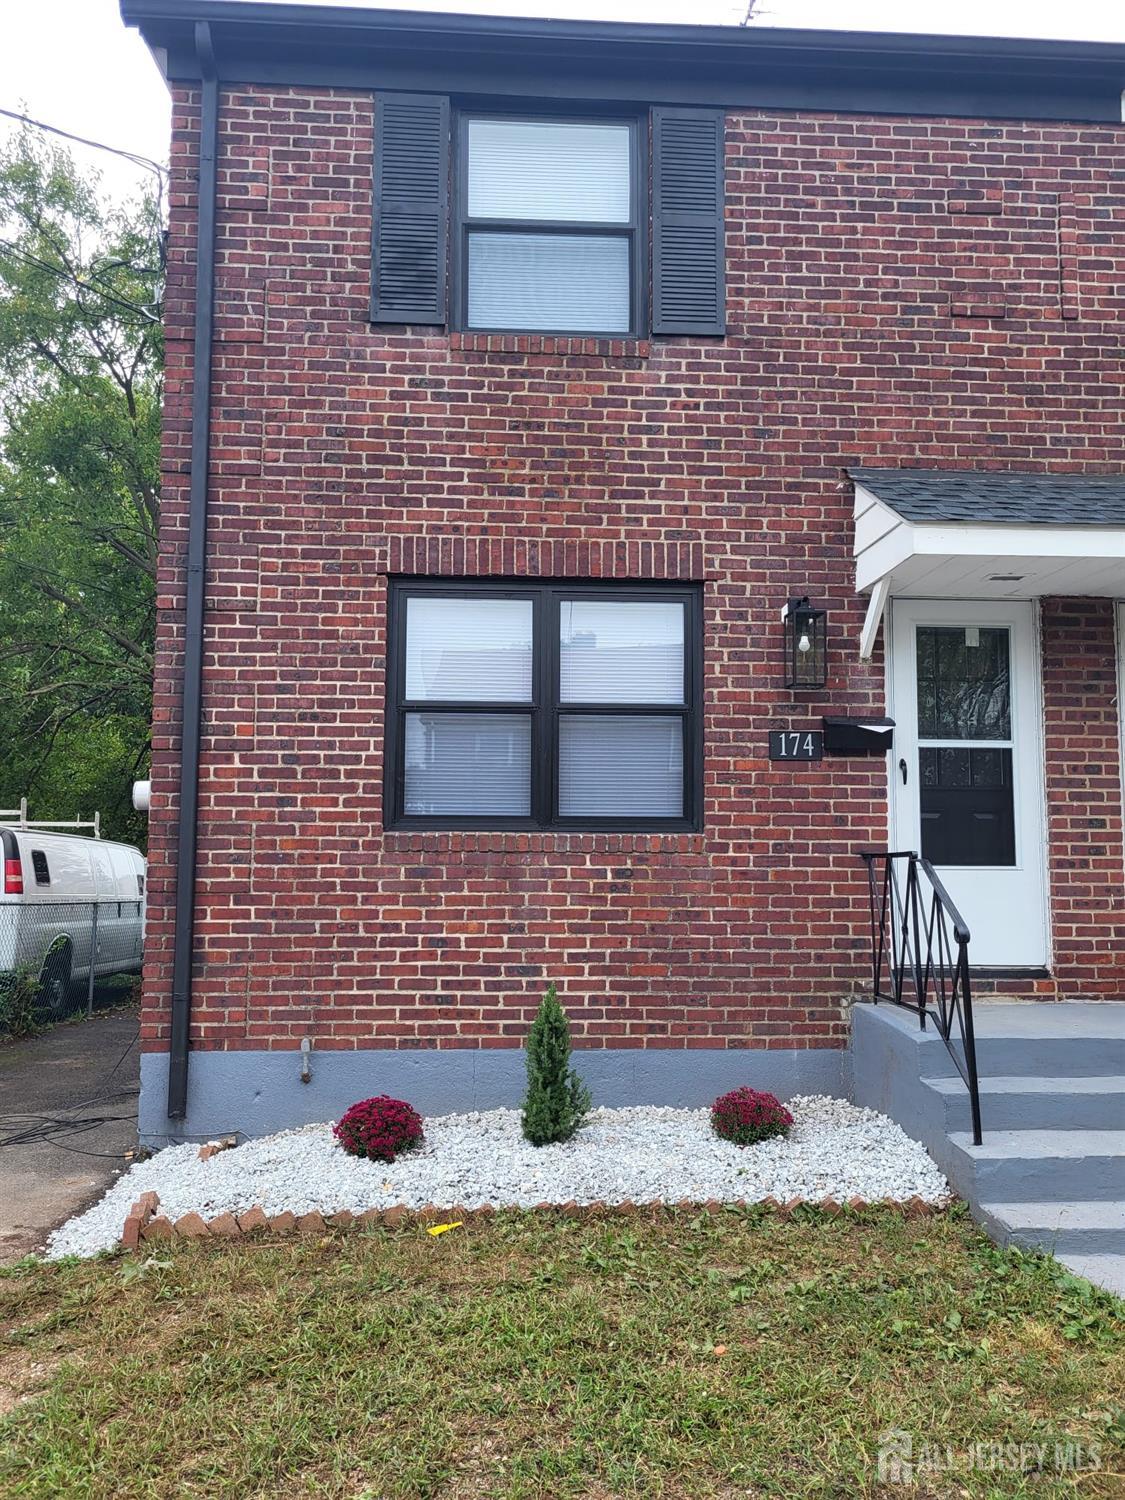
68,901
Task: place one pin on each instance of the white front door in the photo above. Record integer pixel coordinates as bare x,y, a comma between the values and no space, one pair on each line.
965,697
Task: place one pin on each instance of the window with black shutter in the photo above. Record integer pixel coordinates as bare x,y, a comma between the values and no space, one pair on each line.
411,201
688,274
549,236
544,220
543,706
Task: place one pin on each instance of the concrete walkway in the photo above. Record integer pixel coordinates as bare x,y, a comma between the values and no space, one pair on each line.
84,1073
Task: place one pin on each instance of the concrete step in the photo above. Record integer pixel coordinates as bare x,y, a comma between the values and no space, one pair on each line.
1090,1227
1086,1056
1051,1171
1106,1271
1067,1040
1027,1166
1084,1102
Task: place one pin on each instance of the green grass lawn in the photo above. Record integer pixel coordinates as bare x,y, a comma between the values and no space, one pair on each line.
670,1353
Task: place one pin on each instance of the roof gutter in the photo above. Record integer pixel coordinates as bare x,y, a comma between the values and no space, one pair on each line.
725,67
305,21
192,690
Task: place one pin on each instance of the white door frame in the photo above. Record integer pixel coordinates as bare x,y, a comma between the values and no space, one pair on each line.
1028,763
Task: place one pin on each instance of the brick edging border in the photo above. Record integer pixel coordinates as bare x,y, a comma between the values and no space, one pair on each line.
144,1223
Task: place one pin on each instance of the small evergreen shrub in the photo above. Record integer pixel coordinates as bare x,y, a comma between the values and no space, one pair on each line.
746,1116
557,1100
379,1128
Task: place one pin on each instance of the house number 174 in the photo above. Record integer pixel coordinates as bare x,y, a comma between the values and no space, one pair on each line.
796,744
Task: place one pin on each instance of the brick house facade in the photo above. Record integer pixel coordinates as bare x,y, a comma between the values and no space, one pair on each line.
906,287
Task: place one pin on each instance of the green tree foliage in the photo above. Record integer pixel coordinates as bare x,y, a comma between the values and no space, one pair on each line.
80,390
557,1100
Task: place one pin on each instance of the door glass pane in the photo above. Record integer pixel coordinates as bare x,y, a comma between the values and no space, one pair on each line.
475,650
616,651
541,169
468,765
968,812
965,792
572,283
963,683
621,766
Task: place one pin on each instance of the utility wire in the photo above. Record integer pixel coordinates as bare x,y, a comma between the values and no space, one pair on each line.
34,1130
76,281
50,1130
139,161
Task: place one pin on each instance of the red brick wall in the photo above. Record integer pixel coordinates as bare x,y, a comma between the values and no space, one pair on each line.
1084,795
936,292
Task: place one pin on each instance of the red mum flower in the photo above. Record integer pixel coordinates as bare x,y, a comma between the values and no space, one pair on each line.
746,1116
379,1128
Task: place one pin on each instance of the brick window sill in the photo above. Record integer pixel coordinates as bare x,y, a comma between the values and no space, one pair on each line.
550,343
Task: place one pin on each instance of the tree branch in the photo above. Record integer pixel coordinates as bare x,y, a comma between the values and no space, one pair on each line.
103,625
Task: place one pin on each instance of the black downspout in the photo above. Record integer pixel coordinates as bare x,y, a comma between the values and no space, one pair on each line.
184,939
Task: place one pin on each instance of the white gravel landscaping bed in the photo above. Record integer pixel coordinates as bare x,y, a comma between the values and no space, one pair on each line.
646,1154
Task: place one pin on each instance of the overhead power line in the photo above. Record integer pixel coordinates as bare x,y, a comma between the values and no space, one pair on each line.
78,282
139,161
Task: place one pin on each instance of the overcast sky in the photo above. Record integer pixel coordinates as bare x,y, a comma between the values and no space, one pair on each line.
73,64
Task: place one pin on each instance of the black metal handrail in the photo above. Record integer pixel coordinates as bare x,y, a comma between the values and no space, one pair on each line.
920,956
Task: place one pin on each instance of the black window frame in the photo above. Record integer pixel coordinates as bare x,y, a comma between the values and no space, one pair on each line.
544,708
636,232
40,867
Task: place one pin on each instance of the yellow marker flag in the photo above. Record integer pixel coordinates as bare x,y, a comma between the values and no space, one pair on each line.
441,1228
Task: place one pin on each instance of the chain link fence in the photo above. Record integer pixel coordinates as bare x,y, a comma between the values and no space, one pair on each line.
61,957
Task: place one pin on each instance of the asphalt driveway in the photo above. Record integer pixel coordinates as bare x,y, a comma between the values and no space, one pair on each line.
68,1115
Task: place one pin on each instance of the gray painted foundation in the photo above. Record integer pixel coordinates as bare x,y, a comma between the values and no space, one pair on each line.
1049,1174
256,1093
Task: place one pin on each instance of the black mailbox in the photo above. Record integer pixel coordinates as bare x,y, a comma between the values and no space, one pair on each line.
858,736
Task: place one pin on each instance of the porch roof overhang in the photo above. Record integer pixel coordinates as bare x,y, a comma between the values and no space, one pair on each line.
945,534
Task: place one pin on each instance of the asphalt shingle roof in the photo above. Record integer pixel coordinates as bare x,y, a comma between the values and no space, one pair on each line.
1020,499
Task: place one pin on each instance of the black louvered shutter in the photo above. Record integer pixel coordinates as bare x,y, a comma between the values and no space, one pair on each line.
688,280
411,208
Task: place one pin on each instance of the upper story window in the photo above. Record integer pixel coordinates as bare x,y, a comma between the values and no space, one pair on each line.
542,224
549,237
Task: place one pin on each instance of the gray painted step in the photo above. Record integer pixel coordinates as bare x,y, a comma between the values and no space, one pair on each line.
1107,1271
1024,1166
1051,1172
1065,1040
1091,1227
1057,1020
1095,1054
1018,1103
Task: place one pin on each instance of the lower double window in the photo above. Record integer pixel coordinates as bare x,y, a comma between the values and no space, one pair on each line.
543,706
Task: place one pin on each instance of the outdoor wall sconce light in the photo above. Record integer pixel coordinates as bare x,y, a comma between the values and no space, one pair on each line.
806,644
